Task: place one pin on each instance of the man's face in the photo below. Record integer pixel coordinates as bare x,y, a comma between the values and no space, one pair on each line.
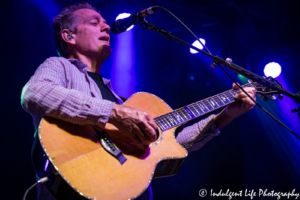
92,35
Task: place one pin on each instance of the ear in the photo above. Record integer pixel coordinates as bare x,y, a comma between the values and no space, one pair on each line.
68,37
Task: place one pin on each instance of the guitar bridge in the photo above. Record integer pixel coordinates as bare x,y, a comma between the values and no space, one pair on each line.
110,147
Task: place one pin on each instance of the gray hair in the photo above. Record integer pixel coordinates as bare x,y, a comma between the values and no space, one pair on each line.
67,20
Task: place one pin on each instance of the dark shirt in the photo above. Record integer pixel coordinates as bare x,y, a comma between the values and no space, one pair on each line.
105,92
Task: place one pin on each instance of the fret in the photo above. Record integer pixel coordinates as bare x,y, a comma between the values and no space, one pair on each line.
207,105
211,103
170,117
215,101
195,109
235,92
201,107
230,92
163,123
179,118
221,99
186,113
225,99
181,111
173,122
157,120
166,120
192,109
189,112
174,117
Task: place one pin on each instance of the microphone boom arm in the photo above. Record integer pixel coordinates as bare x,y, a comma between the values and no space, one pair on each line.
220,61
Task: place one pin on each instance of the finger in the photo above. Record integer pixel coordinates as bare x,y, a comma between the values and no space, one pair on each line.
148,130
241,93
148,126
151,122
234,86
240,96
247,103
139,138
132,132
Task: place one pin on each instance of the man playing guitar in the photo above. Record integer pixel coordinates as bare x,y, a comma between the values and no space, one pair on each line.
70,88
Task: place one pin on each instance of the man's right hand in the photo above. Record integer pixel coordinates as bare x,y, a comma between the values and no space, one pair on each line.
135,124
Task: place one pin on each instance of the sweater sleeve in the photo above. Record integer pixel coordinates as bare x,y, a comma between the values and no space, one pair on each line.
197,135
46,94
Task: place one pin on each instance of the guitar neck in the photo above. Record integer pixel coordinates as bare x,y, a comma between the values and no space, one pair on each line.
197,109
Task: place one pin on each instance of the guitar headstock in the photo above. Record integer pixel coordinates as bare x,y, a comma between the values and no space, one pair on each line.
266,92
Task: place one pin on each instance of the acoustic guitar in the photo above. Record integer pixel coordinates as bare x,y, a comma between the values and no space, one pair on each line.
107,164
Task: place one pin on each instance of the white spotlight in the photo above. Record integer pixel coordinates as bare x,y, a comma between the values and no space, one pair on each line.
272,69
198,45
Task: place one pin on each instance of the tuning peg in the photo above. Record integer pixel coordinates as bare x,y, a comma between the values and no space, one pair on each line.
228,61
270,78
273,98
266,98
280,96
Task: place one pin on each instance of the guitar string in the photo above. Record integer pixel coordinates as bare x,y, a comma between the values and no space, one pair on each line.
196,108
218,95
206,103
165,119
181,113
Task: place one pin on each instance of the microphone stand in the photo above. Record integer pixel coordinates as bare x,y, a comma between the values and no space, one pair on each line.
217,61
226,63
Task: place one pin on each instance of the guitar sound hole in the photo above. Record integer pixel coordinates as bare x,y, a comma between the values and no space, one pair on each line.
157,133
158,137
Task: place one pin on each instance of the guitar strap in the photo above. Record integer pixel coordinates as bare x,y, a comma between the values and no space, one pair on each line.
123,98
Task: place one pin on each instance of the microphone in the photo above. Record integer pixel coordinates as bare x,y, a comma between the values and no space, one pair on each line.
121,25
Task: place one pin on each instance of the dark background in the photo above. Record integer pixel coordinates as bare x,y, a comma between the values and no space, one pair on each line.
253,152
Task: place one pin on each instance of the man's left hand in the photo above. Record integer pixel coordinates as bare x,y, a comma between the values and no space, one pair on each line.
241,105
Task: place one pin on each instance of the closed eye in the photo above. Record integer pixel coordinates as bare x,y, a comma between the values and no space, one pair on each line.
94,22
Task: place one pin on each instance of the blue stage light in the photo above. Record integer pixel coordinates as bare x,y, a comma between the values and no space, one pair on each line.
198,45
123,16
272,69
123,63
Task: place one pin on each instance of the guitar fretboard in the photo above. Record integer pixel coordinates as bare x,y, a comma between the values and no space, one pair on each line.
189,112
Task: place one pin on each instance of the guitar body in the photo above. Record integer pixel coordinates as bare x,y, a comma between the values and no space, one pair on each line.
78,156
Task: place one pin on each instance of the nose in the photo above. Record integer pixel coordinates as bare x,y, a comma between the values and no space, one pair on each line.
105,28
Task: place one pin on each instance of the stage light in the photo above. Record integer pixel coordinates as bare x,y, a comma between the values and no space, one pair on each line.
123,16
123,63
198,45
272,69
